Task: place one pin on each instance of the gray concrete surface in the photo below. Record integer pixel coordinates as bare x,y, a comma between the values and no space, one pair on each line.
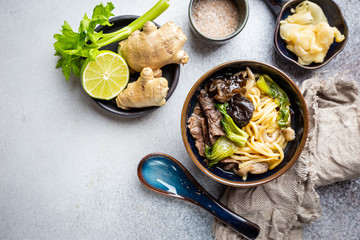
68,168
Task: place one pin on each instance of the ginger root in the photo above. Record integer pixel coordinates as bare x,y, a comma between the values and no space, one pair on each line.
154,47
145,92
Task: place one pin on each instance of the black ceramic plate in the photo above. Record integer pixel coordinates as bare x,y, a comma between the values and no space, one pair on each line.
170,72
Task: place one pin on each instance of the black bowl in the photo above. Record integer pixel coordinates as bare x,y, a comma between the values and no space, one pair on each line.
300,123
171,72
335,19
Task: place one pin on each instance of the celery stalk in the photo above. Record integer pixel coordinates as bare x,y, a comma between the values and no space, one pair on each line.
74,47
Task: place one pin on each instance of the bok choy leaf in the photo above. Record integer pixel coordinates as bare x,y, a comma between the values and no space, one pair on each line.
221,149
267,85
233,132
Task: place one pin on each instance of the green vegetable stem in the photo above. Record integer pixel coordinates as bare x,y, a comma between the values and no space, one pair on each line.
221,149
233,132
266,84
74,47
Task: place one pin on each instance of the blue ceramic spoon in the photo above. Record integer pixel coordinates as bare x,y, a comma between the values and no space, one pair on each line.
163,174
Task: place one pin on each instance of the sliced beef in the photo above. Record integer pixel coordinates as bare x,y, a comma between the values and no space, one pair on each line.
228,164
197,110
205,130
213,116
195,127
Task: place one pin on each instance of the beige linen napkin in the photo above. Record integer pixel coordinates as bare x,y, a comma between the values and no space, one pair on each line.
282,207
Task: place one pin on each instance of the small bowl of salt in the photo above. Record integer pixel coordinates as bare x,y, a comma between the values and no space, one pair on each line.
218,21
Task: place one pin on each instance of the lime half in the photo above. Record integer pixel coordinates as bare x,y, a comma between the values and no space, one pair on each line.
105,77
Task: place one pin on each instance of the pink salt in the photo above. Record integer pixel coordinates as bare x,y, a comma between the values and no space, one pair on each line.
216,18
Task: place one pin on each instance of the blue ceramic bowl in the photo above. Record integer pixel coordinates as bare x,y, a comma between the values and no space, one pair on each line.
300,123
335,19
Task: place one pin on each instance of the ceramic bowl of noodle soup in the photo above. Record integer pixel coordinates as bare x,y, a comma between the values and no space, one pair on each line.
244,123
